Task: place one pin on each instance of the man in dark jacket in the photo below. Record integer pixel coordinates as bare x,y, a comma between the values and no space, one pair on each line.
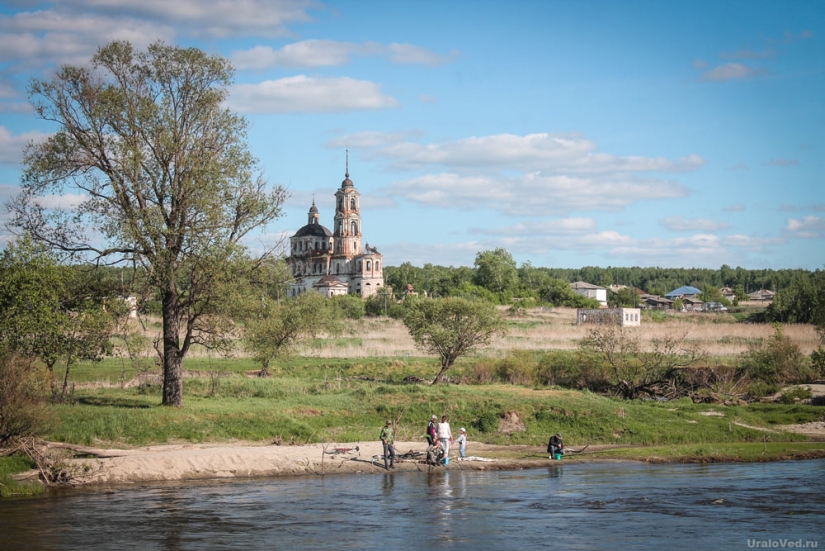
555,446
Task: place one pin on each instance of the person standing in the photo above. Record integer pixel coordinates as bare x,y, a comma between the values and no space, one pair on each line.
431,430
387,439
444,434
461,441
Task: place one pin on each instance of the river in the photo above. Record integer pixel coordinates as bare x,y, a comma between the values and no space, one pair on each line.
564,506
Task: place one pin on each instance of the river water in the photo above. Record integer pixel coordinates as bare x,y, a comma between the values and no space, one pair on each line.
574,506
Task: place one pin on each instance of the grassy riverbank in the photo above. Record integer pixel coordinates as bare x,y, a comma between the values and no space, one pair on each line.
348,400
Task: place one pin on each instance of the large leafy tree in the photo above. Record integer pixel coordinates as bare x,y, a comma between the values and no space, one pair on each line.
496,270
166,180
452,327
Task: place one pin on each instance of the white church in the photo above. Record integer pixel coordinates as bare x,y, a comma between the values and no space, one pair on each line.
335,262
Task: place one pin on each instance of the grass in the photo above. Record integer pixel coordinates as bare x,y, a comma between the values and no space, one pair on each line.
342,402
9,487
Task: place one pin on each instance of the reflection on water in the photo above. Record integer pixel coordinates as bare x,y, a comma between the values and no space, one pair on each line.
604,506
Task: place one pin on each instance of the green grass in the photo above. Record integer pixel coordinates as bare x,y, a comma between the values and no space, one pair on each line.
324,400
11,488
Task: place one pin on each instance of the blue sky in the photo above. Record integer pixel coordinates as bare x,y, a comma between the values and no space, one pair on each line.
570,133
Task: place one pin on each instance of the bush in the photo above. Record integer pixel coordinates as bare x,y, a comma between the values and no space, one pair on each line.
517,368
24,389
818,362
776,361
350,306
558,368
760,389
795,394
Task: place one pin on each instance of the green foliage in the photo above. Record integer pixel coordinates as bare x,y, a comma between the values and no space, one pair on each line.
795,394
775,361
450,328
496,270
627,297
349,306
23,392
518,367
803,301
278,327
169,183
9,487
818,361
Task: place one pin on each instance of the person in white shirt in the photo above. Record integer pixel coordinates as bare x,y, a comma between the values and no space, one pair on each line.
444,434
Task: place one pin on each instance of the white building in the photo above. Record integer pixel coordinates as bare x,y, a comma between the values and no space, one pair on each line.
335,262
591,291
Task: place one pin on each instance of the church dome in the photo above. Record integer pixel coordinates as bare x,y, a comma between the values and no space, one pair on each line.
313,230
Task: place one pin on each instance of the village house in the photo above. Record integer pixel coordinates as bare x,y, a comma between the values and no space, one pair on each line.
762,295
591,291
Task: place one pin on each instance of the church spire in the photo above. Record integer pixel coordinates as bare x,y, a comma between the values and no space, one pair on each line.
346,174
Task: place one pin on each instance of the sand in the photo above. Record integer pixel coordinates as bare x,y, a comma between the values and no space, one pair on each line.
241,460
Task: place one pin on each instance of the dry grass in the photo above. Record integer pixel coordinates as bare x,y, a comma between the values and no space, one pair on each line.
716,334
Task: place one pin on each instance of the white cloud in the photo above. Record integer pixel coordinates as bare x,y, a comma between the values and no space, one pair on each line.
554,153
558,227
735,208
679,223
69,201
216,18
303,94
530,194
731,71
371,139
11,146
325,53
810,227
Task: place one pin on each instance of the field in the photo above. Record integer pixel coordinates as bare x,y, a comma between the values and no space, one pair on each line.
340,389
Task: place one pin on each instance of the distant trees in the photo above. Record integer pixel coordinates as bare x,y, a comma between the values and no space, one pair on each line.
450,328
803,301
627,297
493,271
168,183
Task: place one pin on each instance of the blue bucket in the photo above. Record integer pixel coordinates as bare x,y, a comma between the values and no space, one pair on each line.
557,457
446,460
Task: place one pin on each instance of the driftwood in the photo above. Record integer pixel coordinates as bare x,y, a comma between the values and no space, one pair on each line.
86,450
569,450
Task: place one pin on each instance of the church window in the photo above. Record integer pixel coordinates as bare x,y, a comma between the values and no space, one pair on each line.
354,229
369,265
377,265
352,203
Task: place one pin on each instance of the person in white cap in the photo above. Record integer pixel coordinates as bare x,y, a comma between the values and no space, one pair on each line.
461,441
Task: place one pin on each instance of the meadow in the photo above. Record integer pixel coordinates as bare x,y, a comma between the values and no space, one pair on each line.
341,389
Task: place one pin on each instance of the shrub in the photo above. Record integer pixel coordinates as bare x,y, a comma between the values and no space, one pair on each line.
818,361
24,389
517,368
351,306
795,394
558,368
775,361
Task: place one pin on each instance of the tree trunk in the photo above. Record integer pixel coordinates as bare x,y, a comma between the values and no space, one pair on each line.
65,381
440,377
172,357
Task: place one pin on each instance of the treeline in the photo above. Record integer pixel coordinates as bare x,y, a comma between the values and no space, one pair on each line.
496,272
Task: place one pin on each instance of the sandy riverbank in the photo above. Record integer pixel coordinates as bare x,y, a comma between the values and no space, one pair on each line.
242,459
185,461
